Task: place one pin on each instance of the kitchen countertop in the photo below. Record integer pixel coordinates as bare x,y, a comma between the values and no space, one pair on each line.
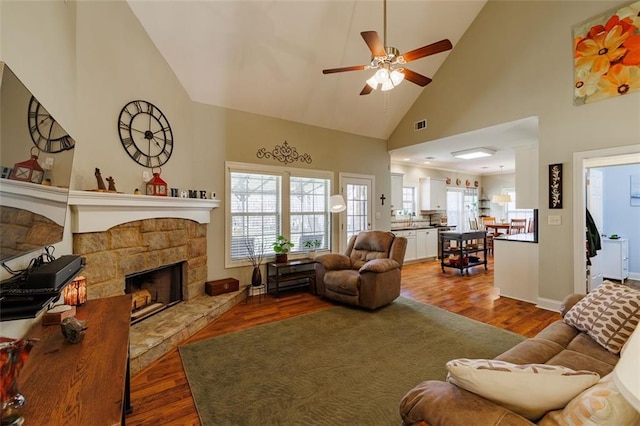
523,238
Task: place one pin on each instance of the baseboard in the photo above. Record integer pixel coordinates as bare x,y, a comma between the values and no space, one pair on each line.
549,304
634,276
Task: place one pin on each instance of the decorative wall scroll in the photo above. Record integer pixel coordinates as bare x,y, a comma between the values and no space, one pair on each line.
606,55
284,154
555,186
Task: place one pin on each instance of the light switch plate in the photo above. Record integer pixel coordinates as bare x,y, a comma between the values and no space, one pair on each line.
554,220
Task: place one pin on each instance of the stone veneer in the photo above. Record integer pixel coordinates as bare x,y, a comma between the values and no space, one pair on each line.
140,246
149,244
23,231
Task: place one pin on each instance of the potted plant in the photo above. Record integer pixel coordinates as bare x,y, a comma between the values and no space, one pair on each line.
282,247
255,257
312,245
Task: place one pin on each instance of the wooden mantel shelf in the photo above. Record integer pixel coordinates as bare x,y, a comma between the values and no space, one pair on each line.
99,211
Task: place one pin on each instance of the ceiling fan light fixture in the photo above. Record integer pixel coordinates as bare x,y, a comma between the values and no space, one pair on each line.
382,75
372,82
387,85
470,154
397,76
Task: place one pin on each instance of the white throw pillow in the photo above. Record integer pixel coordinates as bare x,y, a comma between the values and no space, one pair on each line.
529,390
600,405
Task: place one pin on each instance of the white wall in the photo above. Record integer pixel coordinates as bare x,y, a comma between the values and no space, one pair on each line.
516,61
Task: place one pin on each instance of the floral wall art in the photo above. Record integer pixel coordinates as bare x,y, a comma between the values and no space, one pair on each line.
606,52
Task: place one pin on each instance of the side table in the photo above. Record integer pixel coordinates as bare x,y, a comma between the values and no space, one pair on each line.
297,273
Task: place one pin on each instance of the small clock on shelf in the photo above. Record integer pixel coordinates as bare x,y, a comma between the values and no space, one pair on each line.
157,186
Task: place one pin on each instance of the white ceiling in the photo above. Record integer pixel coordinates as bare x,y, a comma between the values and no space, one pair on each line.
266,57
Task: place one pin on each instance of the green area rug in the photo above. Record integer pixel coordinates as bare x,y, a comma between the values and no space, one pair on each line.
340,366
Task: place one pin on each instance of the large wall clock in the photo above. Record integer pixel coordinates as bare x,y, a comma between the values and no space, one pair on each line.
45,132
145,133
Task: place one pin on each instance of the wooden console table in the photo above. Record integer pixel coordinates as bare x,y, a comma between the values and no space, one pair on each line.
86,383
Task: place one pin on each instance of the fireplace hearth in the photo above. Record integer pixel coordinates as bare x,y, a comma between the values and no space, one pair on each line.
155,290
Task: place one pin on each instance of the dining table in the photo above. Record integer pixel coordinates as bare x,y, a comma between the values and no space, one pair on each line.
498,228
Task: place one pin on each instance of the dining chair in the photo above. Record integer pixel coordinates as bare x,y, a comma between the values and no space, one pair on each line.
517,226
489,220
530,226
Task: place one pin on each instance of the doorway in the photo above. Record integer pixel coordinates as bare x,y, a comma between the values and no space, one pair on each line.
356,190
582,162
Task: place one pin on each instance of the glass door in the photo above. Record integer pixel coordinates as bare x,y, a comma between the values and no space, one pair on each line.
357,217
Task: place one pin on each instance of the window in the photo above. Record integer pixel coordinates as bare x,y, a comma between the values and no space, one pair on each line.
264,202
470,207
455,208
461,207
409,199
310,218
512,211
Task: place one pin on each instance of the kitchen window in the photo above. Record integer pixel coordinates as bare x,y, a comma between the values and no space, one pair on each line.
265,201
409,199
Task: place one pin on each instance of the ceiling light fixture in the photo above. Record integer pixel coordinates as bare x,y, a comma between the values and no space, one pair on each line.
501,198
469,154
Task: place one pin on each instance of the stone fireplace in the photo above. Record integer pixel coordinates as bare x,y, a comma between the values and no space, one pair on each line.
139,246
123,235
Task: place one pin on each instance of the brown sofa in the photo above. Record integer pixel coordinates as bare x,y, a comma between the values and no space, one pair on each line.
367,275
442,403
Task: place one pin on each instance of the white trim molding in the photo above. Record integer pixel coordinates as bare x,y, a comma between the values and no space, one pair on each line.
98,211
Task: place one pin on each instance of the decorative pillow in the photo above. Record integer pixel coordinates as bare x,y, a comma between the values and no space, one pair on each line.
609,314
600,405
529,390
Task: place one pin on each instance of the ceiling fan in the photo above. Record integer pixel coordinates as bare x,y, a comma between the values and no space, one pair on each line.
389,63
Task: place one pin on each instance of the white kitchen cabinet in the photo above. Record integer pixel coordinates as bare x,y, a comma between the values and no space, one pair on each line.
615,258
396,191
433,194
412,244
427,242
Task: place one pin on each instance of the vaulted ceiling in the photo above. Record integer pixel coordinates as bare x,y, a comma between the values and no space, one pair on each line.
267,57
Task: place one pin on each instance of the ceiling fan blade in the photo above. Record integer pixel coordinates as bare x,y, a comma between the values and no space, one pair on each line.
343,69
374,43
431,49
366,90
416,78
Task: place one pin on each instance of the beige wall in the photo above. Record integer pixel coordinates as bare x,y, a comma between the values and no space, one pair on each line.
98,58
515,61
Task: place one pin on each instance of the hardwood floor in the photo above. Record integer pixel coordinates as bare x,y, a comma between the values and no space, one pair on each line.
160,393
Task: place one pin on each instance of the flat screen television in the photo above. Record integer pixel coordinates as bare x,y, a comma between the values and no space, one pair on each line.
32,215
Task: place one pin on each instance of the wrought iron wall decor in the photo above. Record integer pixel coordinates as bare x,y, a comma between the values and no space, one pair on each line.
555,186
285,154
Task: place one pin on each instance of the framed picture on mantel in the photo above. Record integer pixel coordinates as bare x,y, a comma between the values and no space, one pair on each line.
555,186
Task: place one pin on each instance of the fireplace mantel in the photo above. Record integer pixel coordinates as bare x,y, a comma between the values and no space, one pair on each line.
100,211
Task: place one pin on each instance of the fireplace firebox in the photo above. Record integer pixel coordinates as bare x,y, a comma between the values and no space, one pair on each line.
154,290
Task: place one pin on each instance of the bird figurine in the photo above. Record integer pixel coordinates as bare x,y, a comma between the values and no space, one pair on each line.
73,329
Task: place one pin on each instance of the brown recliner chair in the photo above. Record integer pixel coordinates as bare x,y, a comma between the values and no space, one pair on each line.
367,275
